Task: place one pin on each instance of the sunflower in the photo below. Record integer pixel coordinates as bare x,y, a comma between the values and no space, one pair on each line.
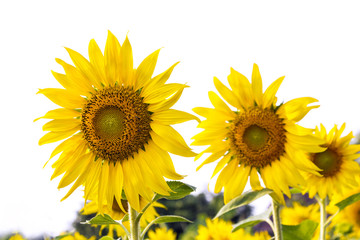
297,213
77,236
337,163
258,138
17,236
116,124
219,229
349,217
162,234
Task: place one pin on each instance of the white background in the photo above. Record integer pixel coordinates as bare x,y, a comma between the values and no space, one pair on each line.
315,44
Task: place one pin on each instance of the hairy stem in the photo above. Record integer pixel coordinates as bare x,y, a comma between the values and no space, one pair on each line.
134,224
276,218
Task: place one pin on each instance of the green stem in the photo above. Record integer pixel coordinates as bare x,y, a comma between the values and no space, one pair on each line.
276,218
134,224
322,203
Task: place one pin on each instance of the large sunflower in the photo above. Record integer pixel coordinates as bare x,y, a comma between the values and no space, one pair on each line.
259,137
116,122
337,163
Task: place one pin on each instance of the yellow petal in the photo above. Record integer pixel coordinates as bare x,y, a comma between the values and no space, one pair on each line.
97,60
296,109
57,136
172,116
112,59
60,125
163,92
221,164
118,183
170,140
256,84
213,157
85,67
254,180
158,80
74,78
126,63
146,69
63,98
241,87
60,113
227,94
269,95
166,104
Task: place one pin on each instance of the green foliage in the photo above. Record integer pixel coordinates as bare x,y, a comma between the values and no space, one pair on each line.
101,220
169,218
243,199
252,220
304,231
348,201
180,190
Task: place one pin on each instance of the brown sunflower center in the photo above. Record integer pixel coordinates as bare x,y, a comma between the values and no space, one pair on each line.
115,123
328,161
257,137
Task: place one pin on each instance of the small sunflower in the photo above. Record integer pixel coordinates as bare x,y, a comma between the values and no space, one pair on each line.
219,229
17,236
116,122
77,236
259,138
162,234
350,216
298,213
339,169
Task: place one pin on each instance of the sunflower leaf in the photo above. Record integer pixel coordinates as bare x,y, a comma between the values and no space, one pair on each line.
253,220
101,220
295,191
179,189
243,199
348,201
304,231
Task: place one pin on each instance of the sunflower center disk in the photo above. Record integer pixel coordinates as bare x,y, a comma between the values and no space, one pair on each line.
328,161
257,137
115,123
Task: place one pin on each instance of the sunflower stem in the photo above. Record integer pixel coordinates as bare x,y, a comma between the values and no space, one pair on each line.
276,218
322,203
134,224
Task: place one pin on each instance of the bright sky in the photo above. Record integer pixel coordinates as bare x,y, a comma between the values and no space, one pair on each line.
315,44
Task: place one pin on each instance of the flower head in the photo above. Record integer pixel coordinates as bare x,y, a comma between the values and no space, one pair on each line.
219,229
258,138
162,234
337,164
116,124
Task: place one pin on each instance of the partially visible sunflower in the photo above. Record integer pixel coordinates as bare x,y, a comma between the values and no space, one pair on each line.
259,138
219,229
77,236
349,216
17,236
118,210
116,122
297,213
162,234
337,163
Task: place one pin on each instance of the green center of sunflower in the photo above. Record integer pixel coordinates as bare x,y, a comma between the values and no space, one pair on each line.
257,137
116,123
328,161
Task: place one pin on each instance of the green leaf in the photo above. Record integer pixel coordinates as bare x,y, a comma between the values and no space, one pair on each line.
347,201
179,189
253,220
304,231
101,220
243,199
169,218
106,238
